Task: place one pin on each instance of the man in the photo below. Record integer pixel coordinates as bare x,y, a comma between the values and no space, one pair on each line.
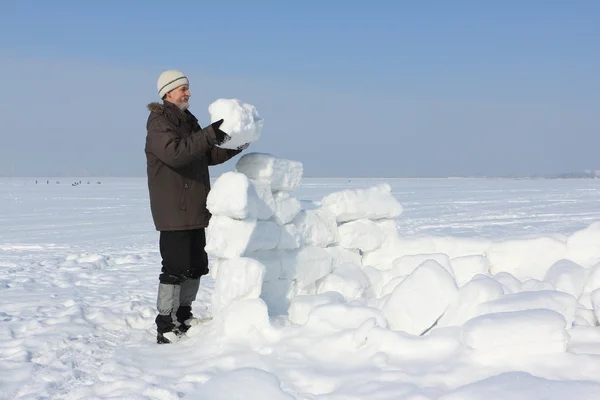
178,153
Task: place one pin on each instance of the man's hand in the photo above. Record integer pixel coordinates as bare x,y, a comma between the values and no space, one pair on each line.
221,136
243,147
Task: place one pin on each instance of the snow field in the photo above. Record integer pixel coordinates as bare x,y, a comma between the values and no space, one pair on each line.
77,314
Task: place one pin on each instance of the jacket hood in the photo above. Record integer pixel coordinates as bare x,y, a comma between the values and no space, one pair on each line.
156,107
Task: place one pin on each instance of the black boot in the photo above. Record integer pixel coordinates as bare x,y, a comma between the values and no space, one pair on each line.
161,339
164,325
183,314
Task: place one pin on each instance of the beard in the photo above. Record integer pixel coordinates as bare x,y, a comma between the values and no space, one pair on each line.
183,105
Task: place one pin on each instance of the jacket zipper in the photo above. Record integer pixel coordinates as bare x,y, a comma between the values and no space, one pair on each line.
183,195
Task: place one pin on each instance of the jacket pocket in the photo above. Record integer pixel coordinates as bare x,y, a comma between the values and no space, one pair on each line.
184,189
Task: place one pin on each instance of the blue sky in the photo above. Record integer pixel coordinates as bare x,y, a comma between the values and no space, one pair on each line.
421,88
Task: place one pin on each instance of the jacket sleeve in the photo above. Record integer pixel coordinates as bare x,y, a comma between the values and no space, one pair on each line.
175,151
218,155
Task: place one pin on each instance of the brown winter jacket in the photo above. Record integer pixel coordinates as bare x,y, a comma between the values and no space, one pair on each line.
178,153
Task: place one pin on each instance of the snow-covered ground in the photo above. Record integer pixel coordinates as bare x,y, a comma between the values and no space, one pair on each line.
79,272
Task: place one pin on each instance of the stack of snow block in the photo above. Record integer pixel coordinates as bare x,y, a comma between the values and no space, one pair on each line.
294,251
251,236
412,291
286,251
361,220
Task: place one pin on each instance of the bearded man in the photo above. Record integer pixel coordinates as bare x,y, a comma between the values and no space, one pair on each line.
178,154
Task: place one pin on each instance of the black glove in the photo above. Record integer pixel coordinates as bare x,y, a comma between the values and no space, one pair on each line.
221,136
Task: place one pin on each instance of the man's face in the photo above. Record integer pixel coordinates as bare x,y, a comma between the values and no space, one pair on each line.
180,96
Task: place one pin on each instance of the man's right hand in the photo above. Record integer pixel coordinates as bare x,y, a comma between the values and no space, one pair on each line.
221,136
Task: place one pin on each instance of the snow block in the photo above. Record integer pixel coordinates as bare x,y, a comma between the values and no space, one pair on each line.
234,196
568,277
374,203
405,265
583,246
280,174
376,282
417,303
559,302
341,256
535,331
237,279
526,258
286,208
592,283
306,265
243,319
362,234
316,228
477,291
263,190
230,238
240,121
347,279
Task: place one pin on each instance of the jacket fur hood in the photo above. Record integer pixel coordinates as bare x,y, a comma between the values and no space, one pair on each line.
172,112
156,107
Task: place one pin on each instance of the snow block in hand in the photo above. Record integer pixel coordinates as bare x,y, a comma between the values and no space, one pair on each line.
240,121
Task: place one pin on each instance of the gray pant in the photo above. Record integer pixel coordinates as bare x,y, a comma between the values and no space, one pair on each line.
170,297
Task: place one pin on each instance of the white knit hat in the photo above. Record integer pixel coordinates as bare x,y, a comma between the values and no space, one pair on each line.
170,80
